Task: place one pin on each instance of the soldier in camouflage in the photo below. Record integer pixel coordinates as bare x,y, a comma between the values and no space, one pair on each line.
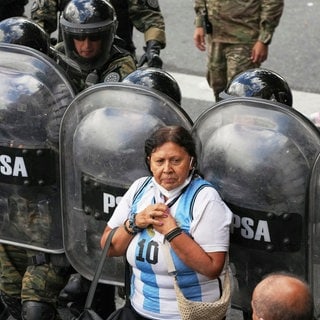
236,35
144,15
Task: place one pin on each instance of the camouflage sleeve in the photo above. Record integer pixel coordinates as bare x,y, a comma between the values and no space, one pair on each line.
271,12
199,8
44,13
146,16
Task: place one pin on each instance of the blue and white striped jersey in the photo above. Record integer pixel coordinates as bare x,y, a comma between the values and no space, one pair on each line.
202,214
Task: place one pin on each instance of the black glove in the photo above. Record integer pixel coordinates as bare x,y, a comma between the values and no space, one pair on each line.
151,55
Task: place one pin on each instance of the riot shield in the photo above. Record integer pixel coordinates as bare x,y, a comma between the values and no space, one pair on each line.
314,227
102,153
259,155
34,94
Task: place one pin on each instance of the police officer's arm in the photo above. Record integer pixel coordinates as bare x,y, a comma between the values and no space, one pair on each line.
148,19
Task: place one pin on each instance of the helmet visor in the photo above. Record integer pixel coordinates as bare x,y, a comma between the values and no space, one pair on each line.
88,44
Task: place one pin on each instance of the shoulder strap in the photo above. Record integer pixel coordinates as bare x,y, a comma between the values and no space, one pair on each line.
202,186
144,184
98,271
189,196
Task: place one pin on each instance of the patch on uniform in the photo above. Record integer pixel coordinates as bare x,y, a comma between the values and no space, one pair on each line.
112,77
153,4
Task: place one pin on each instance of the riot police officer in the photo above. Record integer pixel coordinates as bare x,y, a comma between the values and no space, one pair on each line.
23,31
260,83
158,79
144,15
34,268
88,30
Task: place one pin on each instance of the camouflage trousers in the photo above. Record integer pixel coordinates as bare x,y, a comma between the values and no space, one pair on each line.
224,61
22,280
45,13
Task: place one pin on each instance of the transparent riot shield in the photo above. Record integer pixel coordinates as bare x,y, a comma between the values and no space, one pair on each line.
102,153
34,94
314,229
259,155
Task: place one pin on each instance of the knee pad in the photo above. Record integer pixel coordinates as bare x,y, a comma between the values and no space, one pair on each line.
35,310
12,304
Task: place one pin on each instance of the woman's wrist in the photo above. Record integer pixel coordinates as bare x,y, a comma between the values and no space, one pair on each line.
132,224
128,229
173,234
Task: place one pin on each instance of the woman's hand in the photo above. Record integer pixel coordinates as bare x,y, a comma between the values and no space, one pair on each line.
157,215
164,224
151,215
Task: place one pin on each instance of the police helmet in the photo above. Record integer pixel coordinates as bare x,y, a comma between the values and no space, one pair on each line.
23,31
157,79
89,20
260,83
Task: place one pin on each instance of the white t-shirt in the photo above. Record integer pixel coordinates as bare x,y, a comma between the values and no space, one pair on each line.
152,290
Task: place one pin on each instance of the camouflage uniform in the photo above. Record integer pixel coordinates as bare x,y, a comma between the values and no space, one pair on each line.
23,281
147,18
236,27
144,15
120,64
12,8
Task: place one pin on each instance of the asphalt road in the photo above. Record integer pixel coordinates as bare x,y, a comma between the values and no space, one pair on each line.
293,53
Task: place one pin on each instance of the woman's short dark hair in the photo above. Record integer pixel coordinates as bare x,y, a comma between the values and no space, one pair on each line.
176,134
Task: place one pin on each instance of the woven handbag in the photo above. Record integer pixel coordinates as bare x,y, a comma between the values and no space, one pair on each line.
197,310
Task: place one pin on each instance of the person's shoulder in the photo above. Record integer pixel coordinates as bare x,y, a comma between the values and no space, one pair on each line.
118,52
143,179
138,183
201,182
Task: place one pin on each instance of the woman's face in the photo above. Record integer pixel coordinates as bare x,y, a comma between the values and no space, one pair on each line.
170,165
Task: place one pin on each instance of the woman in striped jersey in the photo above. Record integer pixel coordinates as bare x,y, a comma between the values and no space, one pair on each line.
177,205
